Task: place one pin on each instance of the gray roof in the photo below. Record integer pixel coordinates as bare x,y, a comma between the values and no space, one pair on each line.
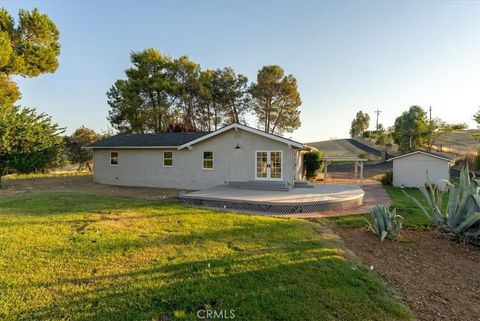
148,140
444,156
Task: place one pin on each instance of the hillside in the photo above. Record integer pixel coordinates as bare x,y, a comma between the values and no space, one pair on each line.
459,142
338,148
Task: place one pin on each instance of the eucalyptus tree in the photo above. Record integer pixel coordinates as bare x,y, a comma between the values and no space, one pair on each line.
359,124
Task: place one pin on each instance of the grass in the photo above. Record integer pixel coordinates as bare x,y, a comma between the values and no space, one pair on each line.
76,256
46,175
413,216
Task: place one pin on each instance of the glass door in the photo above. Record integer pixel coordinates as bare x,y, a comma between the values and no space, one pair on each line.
268,165
262,162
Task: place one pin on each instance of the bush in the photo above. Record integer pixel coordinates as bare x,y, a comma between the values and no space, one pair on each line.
461,218
470,159
367,134
477,162
362,155
385,222
387,178
312,163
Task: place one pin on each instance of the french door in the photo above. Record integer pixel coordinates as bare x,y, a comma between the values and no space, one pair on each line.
268,165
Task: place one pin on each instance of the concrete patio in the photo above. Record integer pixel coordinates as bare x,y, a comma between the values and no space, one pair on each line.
297,200
338,189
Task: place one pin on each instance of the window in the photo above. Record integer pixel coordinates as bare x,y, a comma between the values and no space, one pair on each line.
207,160
113,158
167,159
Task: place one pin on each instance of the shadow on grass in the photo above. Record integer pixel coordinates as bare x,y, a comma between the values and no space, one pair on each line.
263,268
319,286
286,279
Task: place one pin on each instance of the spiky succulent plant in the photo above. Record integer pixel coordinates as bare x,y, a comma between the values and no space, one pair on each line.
385,222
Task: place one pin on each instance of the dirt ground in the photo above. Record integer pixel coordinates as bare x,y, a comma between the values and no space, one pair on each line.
83,184
439,279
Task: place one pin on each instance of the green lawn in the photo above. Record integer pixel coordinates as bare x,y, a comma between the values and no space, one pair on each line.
74,256
414,217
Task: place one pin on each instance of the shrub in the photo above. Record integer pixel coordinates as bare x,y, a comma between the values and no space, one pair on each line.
362,155
385,222
387,178
470,159
477,162
312,163
367,134
462,215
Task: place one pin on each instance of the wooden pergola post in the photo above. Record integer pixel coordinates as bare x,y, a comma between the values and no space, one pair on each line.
325,172
361,173
355,170
358,162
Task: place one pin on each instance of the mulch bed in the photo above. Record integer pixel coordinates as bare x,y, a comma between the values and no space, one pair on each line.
438,278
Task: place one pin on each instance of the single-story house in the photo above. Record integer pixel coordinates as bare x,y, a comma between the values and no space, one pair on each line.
420,167
197,160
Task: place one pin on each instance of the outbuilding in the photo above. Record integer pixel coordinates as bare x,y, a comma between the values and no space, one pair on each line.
420,167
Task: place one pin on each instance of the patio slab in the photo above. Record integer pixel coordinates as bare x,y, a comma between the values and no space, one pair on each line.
298,200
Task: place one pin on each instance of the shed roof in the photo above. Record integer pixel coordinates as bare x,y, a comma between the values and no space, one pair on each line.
438,155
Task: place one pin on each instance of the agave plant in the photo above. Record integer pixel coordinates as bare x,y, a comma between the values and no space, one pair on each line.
385,222
462,215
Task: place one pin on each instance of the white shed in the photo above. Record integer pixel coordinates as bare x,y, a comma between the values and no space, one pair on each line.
412,169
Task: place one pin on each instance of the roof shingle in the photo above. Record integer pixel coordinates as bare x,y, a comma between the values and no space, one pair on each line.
148,140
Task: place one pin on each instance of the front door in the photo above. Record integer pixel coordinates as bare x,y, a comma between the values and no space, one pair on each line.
268,165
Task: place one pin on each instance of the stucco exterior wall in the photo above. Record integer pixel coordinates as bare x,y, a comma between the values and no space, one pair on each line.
411,171
144,167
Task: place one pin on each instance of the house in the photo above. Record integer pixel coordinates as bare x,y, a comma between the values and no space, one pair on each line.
420,167
197,160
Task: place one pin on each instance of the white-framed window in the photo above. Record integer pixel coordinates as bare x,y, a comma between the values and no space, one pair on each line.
113,158
207,160
167,159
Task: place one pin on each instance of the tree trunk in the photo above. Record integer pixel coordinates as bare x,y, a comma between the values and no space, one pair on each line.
2,168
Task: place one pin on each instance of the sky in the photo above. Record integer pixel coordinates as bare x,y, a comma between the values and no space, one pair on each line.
346,56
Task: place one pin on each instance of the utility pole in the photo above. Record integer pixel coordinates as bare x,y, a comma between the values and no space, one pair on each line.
430,110
378,111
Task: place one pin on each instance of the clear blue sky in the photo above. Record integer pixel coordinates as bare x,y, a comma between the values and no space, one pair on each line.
346,56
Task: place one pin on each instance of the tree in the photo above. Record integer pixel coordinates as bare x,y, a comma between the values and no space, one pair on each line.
359,124
144,101
276,100
476,117
411,129
233,95
188,82
74,144
161,93
383,137
437,127
27,49
29,141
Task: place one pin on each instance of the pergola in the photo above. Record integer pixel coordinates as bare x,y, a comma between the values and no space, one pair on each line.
357,161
